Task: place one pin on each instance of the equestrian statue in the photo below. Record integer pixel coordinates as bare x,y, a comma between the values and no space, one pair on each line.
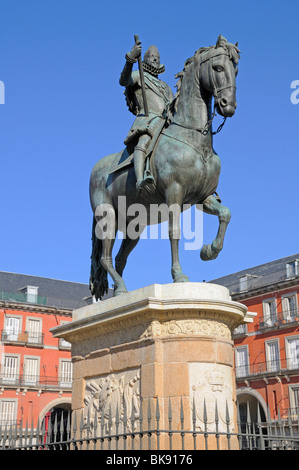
168,156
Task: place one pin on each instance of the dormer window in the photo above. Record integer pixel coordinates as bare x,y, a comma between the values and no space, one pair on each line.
245,282
292,268
31,293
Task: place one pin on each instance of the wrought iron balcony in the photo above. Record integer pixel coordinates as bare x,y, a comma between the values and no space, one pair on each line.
280,319
22,337
267,368
42,382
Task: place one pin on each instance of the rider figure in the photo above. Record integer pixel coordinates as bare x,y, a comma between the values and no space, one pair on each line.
159,97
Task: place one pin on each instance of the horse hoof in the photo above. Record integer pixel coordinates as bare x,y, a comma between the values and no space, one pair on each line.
207,253
181,278
119,291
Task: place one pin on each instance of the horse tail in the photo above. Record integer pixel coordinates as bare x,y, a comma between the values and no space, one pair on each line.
98,283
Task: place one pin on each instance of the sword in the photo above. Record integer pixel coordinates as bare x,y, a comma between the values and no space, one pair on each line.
142,80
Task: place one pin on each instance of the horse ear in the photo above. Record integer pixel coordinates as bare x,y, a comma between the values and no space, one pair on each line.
237,44
218,41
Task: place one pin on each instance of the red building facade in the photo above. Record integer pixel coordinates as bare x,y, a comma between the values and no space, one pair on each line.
267,350
36,369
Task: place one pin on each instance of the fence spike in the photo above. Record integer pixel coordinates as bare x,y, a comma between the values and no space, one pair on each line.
227,416
182,412
141,413
216,413
37,433
205,414
26,433
31,434
61,427
149,412
193,412
157,410
74,422
55,428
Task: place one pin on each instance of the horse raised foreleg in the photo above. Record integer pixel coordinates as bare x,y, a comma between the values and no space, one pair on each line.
174,203
212,206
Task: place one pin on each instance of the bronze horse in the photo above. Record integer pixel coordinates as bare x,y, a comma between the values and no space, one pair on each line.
184,164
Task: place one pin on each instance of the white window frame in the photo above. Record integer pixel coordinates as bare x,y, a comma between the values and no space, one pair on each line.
292,266
11,333
12,376
286,312
29,377
294,398
273,364
242,370
11,414
65,376
62,342
291,363
34,336
267,311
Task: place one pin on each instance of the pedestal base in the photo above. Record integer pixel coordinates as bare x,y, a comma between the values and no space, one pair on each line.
166,350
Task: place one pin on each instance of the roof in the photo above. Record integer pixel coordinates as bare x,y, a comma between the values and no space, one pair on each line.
262,276
51,292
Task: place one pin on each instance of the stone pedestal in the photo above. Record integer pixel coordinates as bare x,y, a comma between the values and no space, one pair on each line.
159,346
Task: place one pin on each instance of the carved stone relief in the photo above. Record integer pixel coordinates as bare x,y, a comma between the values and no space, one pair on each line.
211,388
108,399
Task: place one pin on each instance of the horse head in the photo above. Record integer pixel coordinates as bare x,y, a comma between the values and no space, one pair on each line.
218,70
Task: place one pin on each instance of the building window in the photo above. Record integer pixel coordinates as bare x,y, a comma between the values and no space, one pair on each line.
66,373
62,342
34,328
270,313
292,268
243,283
289,306
242,363
10,369
31,293
240,330
272,355
293,352
7,412
12,328
31,370
294,399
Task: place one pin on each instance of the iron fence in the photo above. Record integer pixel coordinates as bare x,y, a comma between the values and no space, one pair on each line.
81,431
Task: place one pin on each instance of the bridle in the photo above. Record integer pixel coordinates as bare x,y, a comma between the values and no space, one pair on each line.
216,91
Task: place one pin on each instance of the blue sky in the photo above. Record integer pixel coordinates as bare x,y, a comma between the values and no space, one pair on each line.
64,109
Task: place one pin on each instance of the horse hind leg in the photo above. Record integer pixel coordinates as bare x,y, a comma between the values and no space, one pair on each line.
107,241
126,247
212,206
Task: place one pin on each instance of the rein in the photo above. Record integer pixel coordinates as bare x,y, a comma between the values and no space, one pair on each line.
206,128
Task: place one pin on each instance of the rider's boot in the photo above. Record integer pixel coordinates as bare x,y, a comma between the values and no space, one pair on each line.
139,163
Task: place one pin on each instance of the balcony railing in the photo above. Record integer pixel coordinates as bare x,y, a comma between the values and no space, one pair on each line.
21,337
267,367
37,381
279,319
22,297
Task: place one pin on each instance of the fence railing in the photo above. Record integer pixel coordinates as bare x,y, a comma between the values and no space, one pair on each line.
81,431
27,380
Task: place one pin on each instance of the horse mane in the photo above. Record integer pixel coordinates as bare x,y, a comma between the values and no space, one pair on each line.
231,49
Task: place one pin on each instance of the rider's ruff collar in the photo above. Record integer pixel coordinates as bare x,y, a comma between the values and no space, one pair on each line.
153,70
